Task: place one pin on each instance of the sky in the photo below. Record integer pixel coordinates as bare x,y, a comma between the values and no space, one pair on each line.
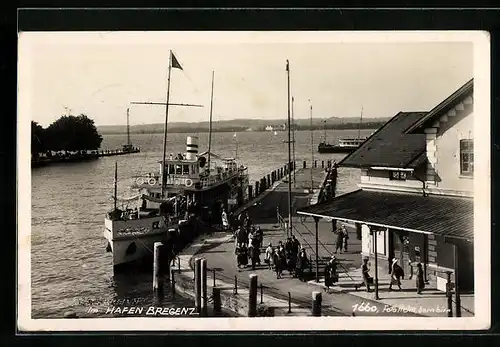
99,74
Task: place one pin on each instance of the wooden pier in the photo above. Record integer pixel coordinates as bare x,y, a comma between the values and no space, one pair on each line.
82,156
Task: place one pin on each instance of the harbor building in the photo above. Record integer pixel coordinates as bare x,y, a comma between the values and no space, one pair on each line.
415,196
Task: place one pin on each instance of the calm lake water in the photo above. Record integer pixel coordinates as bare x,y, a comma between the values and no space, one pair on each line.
70,267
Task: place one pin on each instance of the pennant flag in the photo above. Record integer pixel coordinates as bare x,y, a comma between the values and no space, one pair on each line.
175,63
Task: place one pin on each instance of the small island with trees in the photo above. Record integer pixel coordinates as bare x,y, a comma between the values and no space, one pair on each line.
69,139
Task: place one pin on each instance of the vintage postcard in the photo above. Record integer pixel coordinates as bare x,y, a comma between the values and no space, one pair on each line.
253,181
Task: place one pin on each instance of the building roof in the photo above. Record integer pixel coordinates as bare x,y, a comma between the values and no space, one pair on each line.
452,217
390,146
461,93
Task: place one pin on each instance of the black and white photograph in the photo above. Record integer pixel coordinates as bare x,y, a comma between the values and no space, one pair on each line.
254,181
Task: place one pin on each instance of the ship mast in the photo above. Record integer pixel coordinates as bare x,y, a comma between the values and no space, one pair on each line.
167,104
115,184
210,123
312,147
128,127
293,143
359,126
166,126
289,155
324,130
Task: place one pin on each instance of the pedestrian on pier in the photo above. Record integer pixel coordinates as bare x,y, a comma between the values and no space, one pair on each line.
420,279
269,255
396,274
340,241
278,263
331,276
345,235
365,272
225,222
301,264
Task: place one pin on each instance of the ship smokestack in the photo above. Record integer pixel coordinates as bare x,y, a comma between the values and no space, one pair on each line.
191,147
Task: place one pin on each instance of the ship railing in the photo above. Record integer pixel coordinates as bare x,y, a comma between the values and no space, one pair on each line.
219,178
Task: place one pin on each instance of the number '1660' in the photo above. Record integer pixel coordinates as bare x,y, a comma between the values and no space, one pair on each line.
364,307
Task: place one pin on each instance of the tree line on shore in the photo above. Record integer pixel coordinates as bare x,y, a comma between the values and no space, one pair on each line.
68,133
198,129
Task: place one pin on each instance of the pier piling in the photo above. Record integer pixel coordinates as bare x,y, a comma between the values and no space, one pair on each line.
197,284
250,192
204,294
304,164
217,300
269,183
322,164
261,293
316,304
315,163
172,278
235,290
257,191
289,302
252,296
157,268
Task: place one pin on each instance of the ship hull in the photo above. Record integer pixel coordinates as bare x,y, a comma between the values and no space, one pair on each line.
335,149
132,241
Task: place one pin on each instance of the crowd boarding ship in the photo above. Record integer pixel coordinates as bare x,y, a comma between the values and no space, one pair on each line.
165,200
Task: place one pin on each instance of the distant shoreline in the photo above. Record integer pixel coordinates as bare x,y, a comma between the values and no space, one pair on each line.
205,131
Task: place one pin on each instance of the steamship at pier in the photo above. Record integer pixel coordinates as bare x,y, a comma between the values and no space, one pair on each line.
192,186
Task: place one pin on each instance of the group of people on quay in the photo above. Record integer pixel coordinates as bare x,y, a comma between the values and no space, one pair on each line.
291,257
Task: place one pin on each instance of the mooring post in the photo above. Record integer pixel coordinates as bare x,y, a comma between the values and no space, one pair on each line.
235,290
252,296
261,293
172,278
449,294
322,164
289,302
197,284
257,191
316,304
214,276
458,305
269,180
204,294
250,193
157,268
315,163
304,164
179,263
217,300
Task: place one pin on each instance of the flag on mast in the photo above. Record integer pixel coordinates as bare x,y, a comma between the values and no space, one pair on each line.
175,63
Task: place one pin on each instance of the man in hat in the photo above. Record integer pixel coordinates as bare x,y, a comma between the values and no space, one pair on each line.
396,274
365,272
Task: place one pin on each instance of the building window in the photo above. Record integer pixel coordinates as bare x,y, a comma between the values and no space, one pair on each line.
398,175
467,157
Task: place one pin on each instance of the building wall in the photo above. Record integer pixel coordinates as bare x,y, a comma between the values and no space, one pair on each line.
443,153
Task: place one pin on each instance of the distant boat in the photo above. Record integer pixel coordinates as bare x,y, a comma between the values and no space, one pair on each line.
275,133
345,145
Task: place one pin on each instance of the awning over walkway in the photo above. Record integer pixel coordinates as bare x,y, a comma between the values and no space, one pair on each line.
440,215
